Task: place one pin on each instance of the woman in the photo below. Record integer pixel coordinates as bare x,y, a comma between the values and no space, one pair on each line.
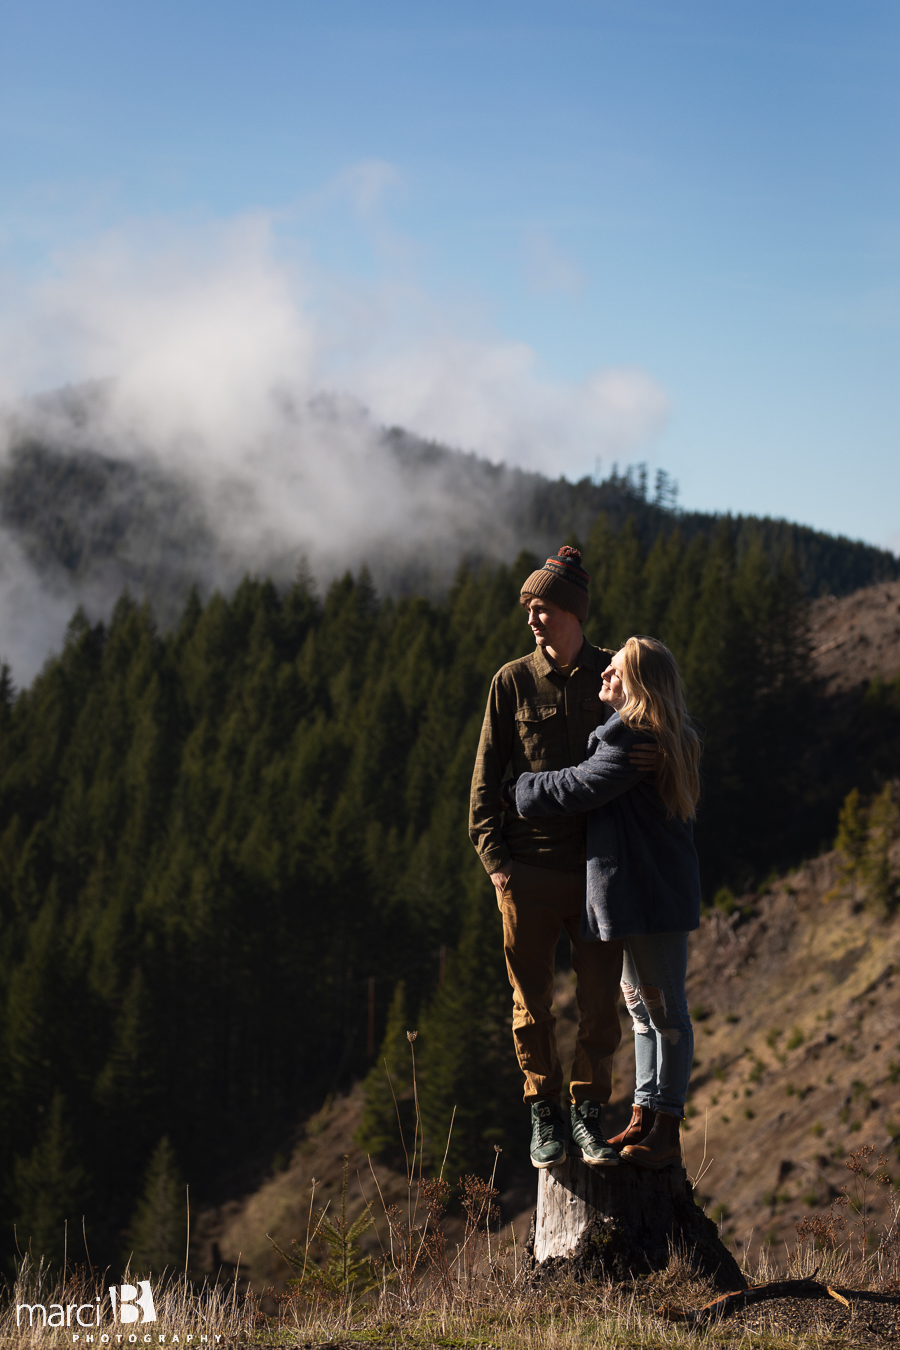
643,880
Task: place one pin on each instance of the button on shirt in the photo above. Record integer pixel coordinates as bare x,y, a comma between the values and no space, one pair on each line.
537,718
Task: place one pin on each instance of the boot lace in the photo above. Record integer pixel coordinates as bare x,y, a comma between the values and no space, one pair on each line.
544,1125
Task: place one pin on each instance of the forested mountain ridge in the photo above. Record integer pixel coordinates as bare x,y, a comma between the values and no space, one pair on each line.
543,510
92,518
212,838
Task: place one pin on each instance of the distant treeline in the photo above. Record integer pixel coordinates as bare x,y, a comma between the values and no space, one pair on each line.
539,510
87,518
213,838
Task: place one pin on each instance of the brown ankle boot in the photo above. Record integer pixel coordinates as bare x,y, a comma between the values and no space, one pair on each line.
637,1129
662,1146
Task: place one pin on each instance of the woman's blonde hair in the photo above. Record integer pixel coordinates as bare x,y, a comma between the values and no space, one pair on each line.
654,702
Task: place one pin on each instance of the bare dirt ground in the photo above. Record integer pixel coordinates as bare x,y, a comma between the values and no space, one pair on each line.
857,638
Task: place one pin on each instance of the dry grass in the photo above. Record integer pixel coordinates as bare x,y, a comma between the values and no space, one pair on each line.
424,1290
208,1315
484,1304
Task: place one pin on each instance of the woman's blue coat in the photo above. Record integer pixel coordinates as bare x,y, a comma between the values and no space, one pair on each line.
642,871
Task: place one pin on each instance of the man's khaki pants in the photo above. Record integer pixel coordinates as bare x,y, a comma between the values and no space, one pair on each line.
535,904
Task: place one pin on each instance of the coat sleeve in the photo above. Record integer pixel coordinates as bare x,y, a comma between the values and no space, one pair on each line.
605,775
492,760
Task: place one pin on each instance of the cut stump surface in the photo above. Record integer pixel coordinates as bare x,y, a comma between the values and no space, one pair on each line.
615,1222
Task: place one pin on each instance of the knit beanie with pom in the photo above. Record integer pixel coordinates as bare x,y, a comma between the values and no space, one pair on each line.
563,580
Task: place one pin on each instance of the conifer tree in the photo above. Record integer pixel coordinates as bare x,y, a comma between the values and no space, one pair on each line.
624,590
7,695
125,1088
661,573
158,1232
388,1122
50,1189
467,1066
677,618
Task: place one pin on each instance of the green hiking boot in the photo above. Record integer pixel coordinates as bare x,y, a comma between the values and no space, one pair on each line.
548,1133
588,1142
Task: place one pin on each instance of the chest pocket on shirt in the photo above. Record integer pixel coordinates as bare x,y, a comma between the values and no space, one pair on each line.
533,721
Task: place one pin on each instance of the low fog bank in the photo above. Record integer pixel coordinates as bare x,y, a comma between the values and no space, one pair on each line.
210,450
90,504
88,507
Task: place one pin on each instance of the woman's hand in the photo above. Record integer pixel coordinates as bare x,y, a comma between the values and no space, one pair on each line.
501,880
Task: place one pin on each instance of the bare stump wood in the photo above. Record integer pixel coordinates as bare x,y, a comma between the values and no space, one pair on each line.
596,1223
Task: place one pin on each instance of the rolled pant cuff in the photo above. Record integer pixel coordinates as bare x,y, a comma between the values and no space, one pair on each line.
668,1108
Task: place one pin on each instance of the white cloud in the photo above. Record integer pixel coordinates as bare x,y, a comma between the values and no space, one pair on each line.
33,615
491,397
211,340
199,324
196,326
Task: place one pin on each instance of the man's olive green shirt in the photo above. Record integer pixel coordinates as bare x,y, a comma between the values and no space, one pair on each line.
536,719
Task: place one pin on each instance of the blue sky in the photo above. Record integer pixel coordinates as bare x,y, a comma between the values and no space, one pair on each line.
698,199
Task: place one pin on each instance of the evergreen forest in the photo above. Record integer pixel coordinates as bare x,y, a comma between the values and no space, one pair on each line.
223,843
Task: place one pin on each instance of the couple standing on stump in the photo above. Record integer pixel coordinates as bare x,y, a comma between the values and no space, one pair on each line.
583,795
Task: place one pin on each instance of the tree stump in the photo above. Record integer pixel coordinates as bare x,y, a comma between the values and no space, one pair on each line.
614,1222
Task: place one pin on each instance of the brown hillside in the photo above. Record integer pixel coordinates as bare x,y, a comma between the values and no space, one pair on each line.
796,1000
857,638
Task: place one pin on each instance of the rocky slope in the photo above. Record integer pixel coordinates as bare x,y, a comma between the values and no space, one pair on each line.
856,638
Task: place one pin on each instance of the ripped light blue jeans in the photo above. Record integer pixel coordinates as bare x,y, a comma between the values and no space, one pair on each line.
653,975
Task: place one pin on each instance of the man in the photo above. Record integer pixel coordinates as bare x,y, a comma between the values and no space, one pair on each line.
540,712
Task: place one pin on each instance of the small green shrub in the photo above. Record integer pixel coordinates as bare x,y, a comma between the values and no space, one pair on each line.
724,900
864,840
